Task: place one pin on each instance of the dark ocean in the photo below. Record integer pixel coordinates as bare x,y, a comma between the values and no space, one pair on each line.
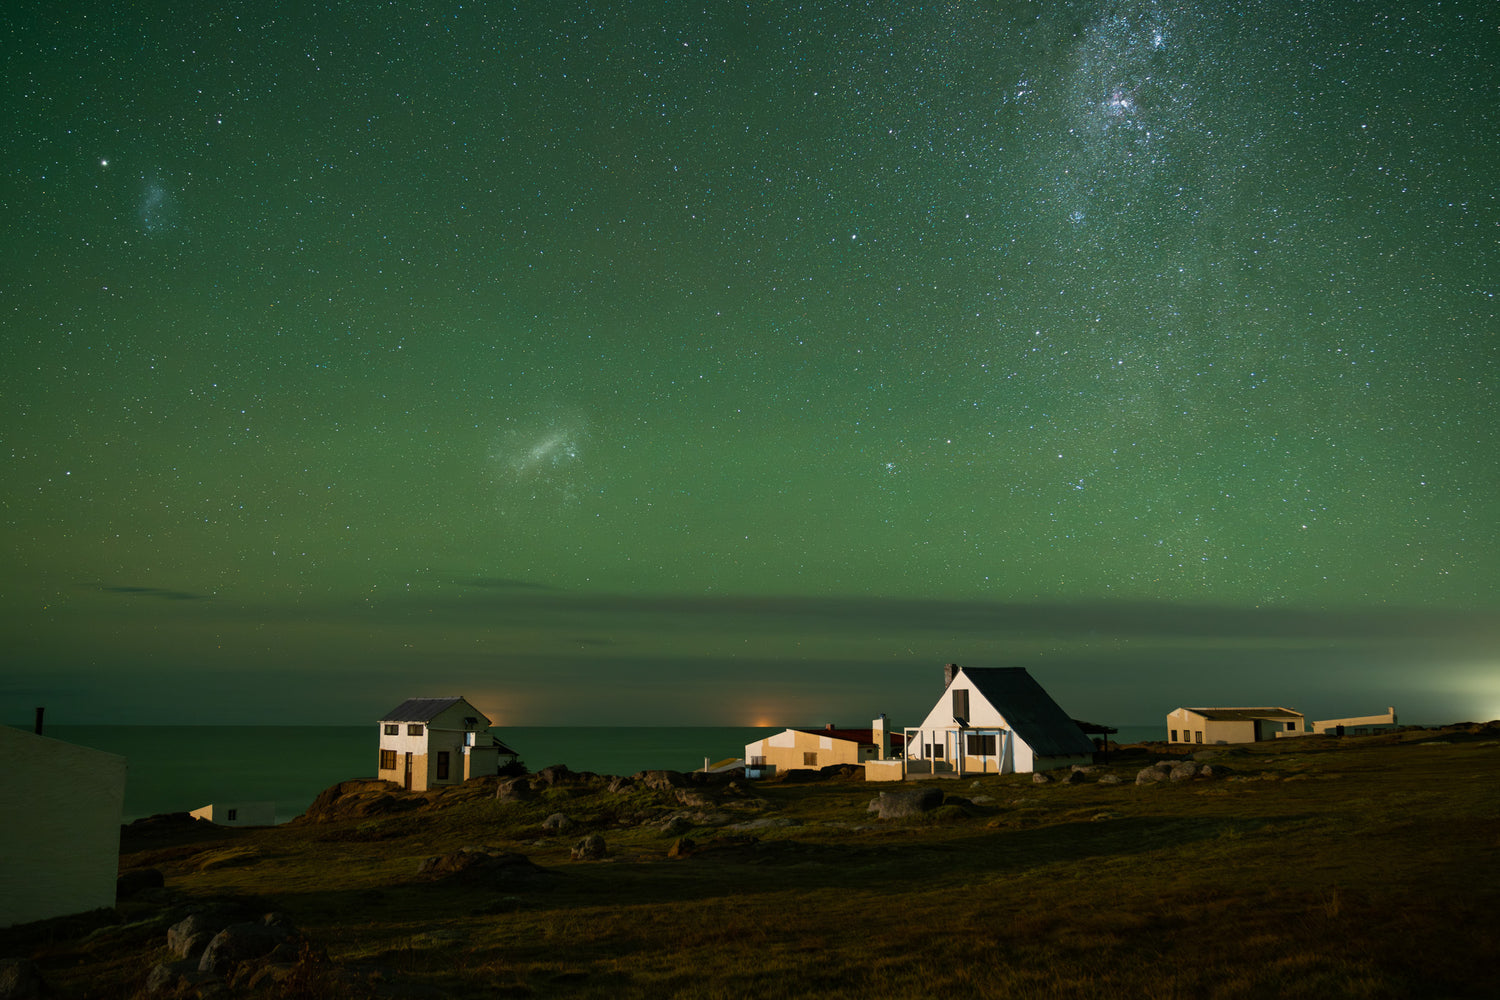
179,768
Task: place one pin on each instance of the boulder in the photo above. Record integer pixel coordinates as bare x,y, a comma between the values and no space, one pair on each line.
514,790
590,848
1040,778
907,802
1153,774
21,980
138,880
618,785
239,943
1111,779
681,847
177,978
481,867
1183,771
558,823
555,774
657,780
188,937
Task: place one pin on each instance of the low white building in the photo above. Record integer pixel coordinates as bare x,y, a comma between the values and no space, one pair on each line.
430,742
1360,725
994,720
237,813
60,841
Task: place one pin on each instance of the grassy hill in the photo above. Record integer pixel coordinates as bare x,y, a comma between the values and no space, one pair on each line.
1363,867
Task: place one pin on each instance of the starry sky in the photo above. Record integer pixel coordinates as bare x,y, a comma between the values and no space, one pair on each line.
741,364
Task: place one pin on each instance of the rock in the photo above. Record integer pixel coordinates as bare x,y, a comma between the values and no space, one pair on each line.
21,980
482,867
590,848
1212,771
239,943
1153,774
695,800
681,847
137,880
618,785
188,937
1183,771
657,780
558,823
1111,779
908,802
1086,768
555,774
1076,777
514,790
676,825
177,977
1040,778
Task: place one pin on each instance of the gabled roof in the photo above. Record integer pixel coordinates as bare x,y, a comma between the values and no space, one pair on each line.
420,709
865,736
1244,714
1030,710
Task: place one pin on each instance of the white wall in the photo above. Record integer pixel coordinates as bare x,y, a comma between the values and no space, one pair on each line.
60,841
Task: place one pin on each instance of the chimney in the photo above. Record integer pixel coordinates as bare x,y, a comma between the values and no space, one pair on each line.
880,736
39,710
949,672
828,727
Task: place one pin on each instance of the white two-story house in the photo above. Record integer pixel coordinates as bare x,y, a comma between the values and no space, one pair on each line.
430,742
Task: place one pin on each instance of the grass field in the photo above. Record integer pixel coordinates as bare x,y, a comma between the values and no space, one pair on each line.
1365,867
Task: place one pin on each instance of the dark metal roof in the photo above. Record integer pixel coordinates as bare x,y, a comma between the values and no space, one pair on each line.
861,736
1030,710
1244,714
420,709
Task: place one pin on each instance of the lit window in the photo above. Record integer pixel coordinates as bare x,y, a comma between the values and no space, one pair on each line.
414,729
393,729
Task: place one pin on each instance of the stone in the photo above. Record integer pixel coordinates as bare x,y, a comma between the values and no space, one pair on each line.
557,823
1111,779
908,802
239,943
1153,774
681,847
21,980
1040,778
514,790
555,774
1183,771
138,880
590,848
657,780
188,937
676,825
1076,777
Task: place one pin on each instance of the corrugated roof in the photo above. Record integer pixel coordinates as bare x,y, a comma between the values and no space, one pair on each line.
419,709
1244,714
1030,710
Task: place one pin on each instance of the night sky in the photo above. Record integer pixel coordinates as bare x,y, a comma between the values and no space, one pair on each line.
744,363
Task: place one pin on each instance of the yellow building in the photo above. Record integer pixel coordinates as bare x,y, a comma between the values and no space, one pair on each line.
811,749
1232,725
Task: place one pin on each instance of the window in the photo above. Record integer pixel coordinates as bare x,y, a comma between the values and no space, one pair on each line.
442,765
809,758
387,760
937,751
414,729
981,744
757,762
1290,726
1198,736
961,705
1174,736
234,814
393,729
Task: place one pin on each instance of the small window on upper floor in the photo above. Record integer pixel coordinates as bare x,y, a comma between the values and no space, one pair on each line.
393,729
414,729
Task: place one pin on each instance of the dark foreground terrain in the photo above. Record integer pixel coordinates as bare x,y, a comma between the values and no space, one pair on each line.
1367,867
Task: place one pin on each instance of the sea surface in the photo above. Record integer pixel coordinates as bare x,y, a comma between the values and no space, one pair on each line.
180,768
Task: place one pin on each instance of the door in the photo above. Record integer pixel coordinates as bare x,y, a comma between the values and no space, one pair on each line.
407,783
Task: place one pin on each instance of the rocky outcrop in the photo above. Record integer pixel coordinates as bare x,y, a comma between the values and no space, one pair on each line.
482,866
558,823
212,951
590,848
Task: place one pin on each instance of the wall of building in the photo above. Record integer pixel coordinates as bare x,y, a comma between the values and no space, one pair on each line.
237,813
786,751
61,837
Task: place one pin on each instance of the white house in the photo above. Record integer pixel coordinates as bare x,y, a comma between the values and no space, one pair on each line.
1233,725
430,742
237,813
994,720
1361,725
60,842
